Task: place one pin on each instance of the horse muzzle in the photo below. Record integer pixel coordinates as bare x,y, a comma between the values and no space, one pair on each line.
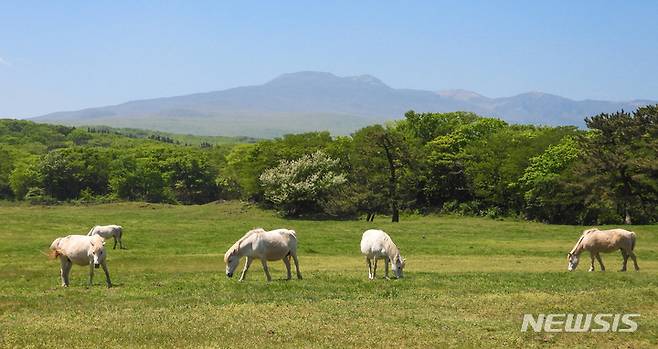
230,275
96,265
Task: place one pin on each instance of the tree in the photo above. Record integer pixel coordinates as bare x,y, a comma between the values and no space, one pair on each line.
246,162
25,176
620,163
547,197
495,163
6,168
302,186
378,159
191,178
443,166
139,179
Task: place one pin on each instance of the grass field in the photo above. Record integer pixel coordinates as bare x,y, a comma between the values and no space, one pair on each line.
468,283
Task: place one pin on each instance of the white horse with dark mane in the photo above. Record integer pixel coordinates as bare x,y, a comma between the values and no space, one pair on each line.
596,241
266,246
376,244
80,250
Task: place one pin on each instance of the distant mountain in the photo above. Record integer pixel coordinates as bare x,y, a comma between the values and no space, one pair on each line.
307,101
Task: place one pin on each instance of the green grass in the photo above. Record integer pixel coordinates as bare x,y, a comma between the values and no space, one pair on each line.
468,283
183,138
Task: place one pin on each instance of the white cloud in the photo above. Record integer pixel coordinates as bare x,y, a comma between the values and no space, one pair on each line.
4,62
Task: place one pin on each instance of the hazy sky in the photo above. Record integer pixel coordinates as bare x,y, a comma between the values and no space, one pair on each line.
65,55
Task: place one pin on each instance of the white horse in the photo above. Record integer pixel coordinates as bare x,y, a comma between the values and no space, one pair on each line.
596,241
376,244
266,246
108,231
80,250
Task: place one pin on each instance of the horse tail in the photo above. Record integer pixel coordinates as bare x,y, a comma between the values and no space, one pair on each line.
120,234
53,254
293,233
632,241
54,249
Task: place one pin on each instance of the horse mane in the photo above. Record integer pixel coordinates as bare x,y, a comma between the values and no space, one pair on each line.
236,246
586,232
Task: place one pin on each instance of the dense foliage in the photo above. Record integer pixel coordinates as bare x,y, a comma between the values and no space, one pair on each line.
303,185
452,162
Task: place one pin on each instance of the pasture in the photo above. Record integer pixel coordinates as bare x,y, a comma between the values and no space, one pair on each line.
468,282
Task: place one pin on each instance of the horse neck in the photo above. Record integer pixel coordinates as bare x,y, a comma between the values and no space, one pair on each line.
392,250
245,246
578,248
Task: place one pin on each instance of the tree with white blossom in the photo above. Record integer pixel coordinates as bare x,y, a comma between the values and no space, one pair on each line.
304,185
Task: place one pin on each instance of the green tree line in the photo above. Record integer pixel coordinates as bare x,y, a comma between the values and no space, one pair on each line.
455,162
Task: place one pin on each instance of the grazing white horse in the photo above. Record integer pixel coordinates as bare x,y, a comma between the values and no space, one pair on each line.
266,246
596,241
376,244
80,250
108,231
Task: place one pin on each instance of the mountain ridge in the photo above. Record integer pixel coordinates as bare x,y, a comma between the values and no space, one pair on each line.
308,100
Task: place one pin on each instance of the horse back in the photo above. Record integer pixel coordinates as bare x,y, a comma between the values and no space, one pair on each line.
609,240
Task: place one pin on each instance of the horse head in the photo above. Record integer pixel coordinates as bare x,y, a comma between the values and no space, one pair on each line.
573,261
96,252
232,259
397,264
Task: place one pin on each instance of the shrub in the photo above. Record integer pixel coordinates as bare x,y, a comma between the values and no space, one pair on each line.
305,185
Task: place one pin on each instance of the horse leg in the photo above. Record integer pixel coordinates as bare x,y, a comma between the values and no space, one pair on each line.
107,275
91,274
247,264
115,243
65,270
591,268
369,268
624,255
374,269
286,261
598,258
386,268
294,258
266,269
632,254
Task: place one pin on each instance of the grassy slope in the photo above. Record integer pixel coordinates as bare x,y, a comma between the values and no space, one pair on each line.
183,138
468,282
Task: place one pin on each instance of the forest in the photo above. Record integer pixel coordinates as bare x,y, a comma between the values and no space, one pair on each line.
458,163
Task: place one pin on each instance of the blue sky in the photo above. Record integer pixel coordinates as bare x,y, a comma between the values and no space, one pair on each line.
66,55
